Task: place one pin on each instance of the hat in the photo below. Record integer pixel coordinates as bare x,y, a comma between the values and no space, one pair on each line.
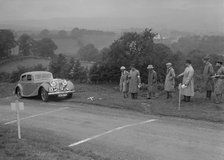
122,68
206,58
150,66
169,64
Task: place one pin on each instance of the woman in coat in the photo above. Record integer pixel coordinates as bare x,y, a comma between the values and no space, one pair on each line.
152,82
124,82
134,82
170,80
219,82
188,82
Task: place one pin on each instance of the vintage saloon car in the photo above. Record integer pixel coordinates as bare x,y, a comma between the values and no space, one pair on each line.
42,83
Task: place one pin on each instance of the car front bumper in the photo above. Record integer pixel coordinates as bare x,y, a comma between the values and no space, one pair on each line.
61,92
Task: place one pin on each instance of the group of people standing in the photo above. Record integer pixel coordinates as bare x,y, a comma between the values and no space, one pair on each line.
130,82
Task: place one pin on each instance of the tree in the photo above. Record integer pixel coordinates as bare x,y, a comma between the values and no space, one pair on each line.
25,43
57,66
62,34
7,42
45,33
78,72
45,47
88,53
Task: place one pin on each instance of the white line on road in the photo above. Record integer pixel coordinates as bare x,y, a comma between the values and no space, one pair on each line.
36,115
110,131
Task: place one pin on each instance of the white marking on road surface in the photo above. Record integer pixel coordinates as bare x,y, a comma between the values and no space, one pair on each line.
110,131
36,115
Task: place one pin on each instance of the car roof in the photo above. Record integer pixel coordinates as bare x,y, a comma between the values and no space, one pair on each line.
36,72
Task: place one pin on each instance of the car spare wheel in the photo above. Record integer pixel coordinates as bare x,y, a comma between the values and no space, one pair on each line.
18,93
44,95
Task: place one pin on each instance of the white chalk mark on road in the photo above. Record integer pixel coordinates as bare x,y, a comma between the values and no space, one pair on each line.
110,131
36,115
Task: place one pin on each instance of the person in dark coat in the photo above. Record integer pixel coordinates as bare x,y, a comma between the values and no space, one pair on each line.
219,82
207,77
170,80
134,82
152,82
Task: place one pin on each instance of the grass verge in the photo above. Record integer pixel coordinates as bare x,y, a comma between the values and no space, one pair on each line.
39,145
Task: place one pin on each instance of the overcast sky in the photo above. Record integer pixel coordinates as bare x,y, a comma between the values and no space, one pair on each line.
168,11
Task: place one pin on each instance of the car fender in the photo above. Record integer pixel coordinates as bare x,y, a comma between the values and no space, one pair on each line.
45,85
70,85
20,87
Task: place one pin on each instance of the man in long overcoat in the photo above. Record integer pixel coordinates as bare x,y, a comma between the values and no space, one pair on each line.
188,81
170,80
219,82
152,82
134,82
207,77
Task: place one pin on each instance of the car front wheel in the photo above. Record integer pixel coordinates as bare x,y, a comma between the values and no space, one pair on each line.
69,95
44,95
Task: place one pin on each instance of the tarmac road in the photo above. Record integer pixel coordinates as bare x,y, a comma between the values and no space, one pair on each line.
122,134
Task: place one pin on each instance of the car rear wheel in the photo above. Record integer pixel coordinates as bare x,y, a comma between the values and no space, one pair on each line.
44,95
18,93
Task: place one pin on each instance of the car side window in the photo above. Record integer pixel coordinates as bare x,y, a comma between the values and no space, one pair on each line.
29,77
23,78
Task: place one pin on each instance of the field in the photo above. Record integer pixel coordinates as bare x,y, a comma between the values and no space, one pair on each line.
69,46
109,96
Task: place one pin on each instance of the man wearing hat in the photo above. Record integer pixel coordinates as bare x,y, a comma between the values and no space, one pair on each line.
207,77
124,82
188,81
134,82
219,82
170,80
152,81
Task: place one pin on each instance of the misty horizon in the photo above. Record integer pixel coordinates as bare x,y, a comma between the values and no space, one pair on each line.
183,15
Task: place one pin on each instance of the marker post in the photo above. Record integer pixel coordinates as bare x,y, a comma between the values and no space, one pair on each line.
17,106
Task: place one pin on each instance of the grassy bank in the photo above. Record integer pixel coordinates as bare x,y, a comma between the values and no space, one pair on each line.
39,145
109,96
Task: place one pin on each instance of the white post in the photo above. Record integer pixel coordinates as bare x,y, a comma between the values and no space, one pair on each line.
18,119
179,96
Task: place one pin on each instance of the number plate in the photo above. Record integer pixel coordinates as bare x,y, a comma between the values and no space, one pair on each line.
62,95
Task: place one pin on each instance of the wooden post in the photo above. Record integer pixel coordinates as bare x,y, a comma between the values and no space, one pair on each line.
179,102
18,118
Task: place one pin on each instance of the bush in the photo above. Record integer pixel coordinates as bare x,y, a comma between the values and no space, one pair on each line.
4,77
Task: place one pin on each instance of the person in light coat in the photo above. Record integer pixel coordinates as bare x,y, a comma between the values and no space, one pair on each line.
219,82
170,80
134,82
188,82
152,82
124,81
208,72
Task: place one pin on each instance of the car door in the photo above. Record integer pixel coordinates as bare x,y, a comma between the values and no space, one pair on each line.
28,85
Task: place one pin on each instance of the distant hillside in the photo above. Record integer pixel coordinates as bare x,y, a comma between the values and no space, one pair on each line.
12,64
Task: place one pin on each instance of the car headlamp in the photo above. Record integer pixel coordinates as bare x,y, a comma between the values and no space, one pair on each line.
64,82
53,83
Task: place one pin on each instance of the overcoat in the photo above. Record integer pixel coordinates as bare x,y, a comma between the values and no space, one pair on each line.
124,82
152,81
188,80
207,77
219,82
134,81
170,80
